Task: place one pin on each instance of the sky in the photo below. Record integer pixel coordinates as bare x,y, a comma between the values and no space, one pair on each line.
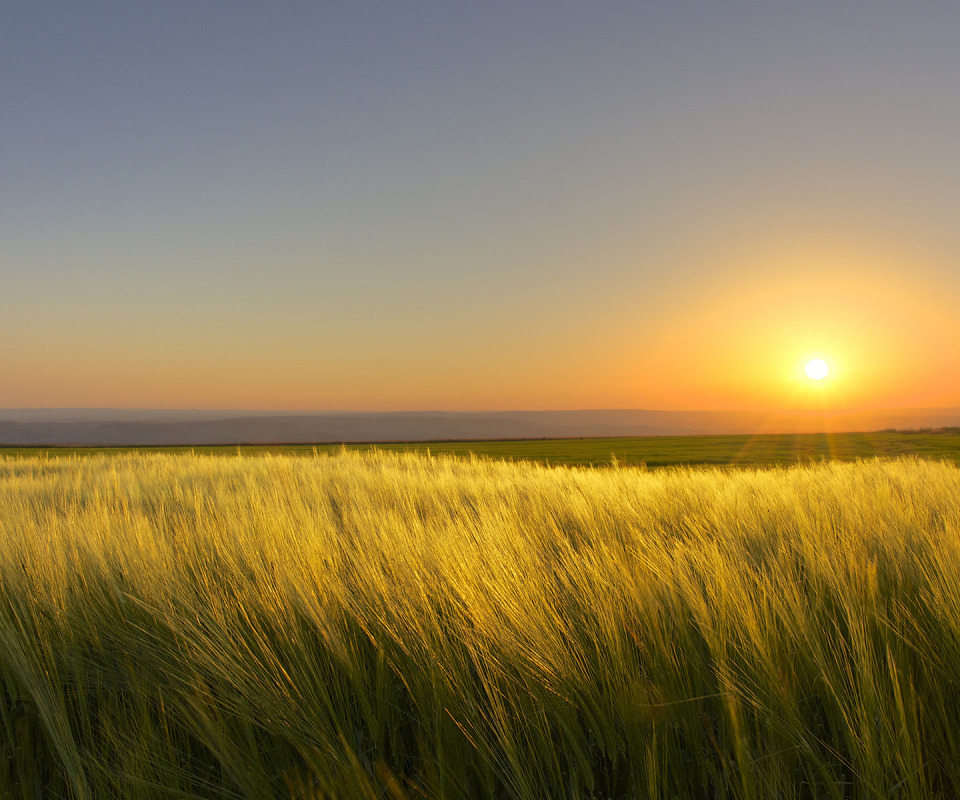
479,206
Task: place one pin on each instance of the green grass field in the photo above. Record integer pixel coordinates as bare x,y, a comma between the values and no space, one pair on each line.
392,625
651,451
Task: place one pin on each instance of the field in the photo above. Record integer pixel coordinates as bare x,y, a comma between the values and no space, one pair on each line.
649,451
387,625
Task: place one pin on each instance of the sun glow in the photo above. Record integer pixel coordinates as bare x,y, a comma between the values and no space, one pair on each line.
817,369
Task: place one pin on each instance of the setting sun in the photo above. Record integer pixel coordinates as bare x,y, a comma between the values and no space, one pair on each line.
495,248
817,369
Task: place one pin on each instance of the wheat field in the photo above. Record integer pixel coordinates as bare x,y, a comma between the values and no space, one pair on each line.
383,625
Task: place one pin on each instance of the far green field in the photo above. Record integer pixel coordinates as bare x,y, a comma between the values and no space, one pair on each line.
651,451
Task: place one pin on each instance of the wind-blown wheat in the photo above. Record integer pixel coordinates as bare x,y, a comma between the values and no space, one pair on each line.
382,625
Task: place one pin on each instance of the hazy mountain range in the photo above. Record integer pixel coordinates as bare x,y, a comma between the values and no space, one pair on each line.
159,427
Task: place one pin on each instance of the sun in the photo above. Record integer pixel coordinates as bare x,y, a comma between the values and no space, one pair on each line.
817,369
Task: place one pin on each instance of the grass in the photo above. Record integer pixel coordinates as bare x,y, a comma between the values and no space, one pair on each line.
387,625
650,451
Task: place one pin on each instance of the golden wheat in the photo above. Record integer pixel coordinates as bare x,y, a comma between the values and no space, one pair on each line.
386,625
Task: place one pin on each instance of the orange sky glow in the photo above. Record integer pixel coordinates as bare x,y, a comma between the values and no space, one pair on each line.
578,208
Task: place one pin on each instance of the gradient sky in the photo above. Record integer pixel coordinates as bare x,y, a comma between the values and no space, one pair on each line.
499,205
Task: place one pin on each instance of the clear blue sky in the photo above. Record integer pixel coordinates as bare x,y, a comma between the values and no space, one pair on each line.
471,206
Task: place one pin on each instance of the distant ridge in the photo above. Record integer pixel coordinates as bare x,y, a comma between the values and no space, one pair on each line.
159,427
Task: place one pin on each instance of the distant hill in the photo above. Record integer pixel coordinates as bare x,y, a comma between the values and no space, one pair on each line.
160,427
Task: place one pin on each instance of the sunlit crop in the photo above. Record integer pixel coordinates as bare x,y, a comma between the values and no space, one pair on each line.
395,625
